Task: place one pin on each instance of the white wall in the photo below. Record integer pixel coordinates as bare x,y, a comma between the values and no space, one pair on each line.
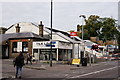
76,52
24,27
45,33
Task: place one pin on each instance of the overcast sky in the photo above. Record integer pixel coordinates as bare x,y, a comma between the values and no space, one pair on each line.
65,14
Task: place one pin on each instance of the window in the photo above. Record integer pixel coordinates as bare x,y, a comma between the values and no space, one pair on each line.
24,46
19,46
14,47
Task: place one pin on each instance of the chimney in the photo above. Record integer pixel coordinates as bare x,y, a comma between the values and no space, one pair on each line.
3,30
41,29
17,28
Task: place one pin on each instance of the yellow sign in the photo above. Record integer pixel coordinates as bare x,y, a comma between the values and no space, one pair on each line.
76,61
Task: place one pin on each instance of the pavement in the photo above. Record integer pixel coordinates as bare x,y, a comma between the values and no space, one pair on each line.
44,68
38,65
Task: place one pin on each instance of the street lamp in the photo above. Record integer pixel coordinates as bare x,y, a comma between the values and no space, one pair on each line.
82,25
51,35
83,16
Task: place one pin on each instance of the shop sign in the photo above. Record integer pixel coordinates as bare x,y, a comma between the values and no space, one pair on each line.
22,40
49,44
45,44
76,61
55,44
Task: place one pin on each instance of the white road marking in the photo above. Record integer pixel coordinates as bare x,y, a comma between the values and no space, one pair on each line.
8,75
94,72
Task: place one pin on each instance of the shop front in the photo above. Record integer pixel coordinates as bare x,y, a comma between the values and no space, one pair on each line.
19,45
60,50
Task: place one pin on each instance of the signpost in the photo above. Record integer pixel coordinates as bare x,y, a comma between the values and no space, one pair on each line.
73,34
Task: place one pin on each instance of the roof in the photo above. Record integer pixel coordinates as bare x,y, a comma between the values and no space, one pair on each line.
67,38
4,37
23,23
63,34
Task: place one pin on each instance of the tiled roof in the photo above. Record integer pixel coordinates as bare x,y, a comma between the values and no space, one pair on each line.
4,37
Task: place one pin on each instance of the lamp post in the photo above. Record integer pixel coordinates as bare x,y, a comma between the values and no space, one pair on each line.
83,46
51,35
83,16
82,25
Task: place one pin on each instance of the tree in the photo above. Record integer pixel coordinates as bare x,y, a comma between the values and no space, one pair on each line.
108,28
104,28
92,26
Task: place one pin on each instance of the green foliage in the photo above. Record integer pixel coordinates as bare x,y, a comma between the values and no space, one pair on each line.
104,28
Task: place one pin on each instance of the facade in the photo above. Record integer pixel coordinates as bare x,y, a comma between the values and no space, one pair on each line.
35,39
60,50
14,43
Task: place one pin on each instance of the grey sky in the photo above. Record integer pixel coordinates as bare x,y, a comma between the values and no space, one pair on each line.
65,14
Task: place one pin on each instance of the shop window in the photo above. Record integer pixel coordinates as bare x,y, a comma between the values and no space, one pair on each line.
24,46
14,47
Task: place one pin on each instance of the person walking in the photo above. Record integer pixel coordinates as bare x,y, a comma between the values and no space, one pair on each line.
29,58
19,63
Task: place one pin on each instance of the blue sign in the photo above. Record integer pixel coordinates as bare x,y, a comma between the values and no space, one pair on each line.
49,45
53,42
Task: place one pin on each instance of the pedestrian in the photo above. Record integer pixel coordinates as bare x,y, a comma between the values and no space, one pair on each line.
29,58
19,63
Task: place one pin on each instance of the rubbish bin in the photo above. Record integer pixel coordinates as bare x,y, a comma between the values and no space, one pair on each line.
84,61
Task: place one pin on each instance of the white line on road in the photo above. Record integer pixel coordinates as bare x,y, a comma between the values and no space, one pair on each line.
5,75
94,72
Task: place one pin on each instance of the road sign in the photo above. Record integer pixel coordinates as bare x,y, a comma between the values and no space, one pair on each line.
73,33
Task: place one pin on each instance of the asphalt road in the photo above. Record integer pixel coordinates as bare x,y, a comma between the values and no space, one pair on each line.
108,70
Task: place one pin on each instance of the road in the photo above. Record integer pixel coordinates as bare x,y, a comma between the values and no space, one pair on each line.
107,70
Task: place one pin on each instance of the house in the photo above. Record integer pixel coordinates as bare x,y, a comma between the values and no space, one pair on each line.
34,38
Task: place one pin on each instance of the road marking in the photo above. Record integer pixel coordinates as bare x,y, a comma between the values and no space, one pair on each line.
94,72
7,75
